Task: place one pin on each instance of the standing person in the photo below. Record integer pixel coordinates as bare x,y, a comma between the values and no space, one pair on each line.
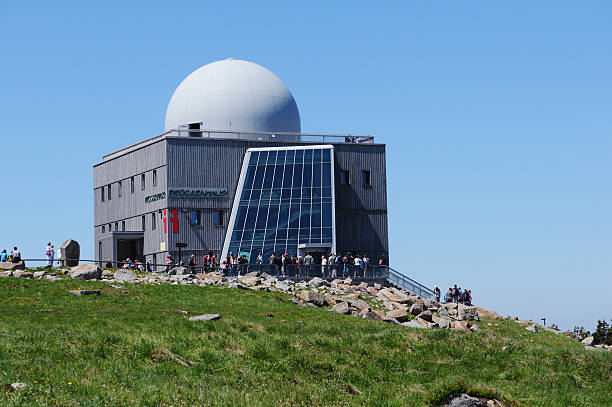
192,263
48,254
259,261
323,265
272,263
436,292
149,267
308,260
15,255
3,256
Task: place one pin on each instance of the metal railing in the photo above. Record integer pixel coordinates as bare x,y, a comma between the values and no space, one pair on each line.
367,273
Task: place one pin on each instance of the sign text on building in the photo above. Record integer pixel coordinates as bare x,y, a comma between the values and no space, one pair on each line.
156,197
197,192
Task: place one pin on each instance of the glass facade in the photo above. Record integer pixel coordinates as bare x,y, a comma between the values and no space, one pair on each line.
286,200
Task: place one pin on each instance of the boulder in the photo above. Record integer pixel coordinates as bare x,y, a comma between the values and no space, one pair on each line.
316,282
399,314
86,272
107,273
7,273
359,304
374,315
532,328
341,308
467,313
249,280
426,315
588,340
387,294
284,285
23,274
485,313
443,323
7,265
373,291
461,326
39,274
70,250
205,317
348,281
125,275
313,297
415,324
417,308
465,401
85,292
429,303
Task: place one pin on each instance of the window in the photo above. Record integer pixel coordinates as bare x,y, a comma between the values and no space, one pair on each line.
153,223
218,218
102,193
142,182
154,178
143,223
110,228
120,189
344,178
123,225
116,226
103,229
195,217
365,178
132,185
108,192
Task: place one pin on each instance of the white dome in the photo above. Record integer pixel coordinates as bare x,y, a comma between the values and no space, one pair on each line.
234,95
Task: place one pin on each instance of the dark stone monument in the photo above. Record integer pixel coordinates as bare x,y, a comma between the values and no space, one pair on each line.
70,250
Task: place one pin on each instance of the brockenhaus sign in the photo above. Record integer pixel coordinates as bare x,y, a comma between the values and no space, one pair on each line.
198,192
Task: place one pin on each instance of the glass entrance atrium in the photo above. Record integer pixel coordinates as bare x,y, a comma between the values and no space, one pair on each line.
286,201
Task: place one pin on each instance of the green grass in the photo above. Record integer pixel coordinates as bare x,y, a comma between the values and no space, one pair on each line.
97,350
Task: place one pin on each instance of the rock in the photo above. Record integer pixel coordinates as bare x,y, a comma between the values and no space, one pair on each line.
465,401
7,273
590,347
399,314
125,275
444,323
86,272
428,324
426,315
39,274
313,297
107,273
475,328
253,274
414,324
85,292
70,250
23,274
359,304
341,308
180,271
284,285
484,313
374,315
388,305
387,294
298,302
588,340
363,286
461,326
316,282
373,291
417,308
205,317
249,280
532,328
467,313
7,265
429,303
348,281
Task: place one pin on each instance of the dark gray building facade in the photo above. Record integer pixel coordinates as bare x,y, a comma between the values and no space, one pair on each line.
179,188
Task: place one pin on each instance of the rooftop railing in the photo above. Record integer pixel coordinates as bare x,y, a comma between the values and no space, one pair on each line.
275,136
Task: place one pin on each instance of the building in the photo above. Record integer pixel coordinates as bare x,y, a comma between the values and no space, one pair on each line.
233,173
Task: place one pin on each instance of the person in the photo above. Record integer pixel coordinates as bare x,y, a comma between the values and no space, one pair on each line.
192,263
468,297
242,264
448,297
109,264
48,253
436,292
272,263
3,256
169,263
149,266
15,255
382,261
323,265
308,260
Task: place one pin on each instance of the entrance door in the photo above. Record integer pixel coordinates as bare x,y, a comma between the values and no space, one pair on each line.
130,248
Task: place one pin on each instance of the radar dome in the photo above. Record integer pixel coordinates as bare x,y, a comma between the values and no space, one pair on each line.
234,95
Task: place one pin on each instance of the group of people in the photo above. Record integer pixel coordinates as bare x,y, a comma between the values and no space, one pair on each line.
13,257
128,264
454,294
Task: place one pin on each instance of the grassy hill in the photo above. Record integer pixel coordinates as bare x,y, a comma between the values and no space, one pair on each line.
112,349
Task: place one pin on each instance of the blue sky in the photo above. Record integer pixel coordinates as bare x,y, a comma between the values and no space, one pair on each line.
496,119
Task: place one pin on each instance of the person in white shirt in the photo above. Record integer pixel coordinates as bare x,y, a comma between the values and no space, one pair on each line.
323,265
50,253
